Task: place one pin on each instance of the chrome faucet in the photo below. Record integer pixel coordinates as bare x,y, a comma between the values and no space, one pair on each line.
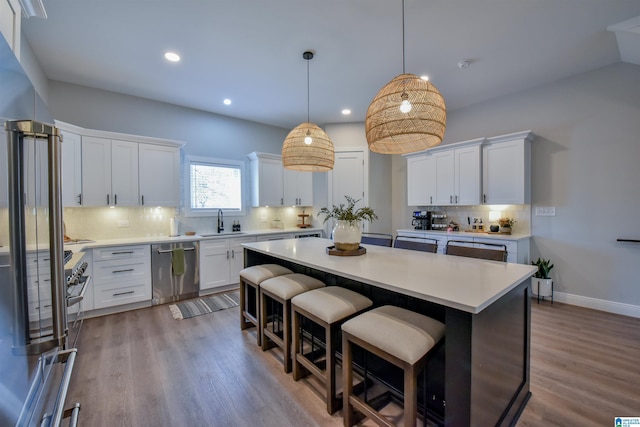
220,221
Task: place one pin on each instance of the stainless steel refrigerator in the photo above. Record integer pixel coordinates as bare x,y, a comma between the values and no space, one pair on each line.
35,367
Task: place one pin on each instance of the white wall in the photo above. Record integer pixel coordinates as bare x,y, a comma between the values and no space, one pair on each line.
206,134
586,163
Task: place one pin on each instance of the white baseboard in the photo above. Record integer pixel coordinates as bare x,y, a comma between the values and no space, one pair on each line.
598,304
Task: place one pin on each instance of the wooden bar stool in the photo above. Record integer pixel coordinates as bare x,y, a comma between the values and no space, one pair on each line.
327,307
280,290
250,279
401,337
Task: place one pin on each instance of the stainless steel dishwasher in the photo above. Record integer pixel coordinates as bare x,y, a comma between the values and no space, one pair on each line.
170,287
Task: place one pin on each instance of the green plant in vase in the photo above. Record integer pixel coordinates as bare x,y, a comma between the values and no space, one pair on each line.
346,232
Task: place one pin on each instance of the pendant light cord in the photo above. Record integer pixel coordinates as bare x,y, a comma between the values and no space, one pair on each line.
403,69
308,90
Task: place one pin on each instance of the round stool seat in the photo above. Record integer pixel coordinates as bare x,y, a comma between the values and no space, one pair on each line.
289,285
332,303
401,333
260,273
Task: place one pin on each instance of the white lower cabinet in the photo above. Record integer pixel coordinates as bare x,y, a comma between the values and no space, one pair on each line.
517,250
121,275
221,261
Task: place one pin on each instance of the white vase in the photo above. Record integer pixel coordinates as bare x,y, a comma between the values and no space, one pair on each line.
347,235
542,287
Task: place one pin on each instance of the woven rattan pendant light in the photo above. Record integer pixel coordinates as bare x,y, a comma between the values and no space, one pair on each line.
307,147
407,115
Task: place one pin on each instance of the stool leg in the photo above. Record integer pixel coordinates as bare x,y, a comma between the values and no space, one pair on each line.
263,320
297,339
259,335
286,333
347,381
243,323
330,369
410,396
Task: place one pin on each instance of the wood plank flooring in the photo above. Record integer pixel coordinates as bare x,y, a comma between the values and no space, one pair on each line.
143,368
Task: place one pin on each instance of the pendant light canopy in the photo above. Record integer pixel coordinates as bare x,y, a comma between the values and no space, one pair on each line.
307,147
407,115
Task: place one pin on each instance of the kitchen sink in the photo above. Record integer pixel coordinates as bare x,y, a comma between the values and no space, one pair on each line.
228,233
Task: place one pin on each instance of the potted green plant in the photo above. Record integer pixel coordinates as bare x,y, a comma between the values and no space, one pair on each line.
506,224
346,232
541,282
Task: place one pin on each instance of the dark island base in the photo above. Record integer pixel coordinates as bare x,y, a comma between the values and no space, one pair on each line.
481,372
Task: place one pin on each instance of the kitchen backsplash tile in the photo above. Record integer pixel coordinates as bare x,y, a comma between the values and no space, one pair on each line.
110,223
459,214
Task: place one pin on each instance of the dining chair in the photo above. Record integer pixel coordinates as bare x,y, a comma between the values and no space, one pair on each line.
489,251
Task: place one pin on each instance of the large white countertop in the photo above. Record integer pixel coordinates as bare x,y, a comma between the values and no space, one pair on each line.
147,240
466,284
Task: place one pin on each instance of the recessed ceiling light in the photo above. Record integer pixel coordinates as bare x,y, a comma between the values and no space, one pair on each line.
425,78
346,112
172,56
227,101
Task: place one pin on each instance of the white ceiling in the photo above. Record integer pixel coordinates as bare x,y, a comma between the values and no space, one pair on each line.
251,50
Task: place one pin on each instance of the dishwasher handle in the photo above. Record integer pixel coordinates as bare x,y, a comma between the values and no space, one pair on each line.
169,250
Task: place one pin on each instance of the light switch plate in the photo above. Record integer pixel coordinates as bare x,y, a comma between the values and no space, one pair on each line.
546,211
123,223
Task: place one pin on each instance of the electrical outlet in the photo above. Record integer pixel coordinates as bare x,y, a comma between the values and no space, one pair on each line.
547,211
123,223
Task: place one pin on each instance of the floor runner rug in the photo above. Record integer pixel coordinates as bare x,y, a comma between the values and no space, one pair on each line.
205,305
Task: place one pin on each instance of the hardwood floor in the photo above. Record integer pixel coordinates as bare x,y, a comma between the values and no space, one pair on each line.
143,368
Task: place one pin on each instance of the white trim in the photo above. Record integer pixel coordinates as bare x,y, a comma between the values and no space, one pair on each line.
244,183
598,304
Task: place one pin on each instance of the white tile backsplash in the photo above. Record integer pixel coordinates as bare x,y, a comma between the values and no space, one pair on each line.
459,214
103,223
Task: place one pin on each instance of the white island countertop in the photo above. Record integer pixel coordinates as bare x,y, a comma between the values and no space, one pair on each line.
466,284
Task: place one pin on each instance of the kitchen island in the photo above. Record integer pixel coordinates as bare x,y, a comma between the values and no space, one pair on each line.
482,374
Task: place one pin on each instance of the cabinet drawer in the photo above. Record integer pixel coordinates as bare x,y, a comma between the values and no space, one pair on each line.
121,271
121,252
214,245
109,296
39,261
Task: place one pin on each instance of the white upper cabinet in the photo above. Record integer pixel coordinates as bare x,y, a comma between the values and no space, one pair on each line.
297,188
71,169
96,179
421,180
266,180
159,175
124,173
101,168
457,173
506,169
110,174
272,185
10,14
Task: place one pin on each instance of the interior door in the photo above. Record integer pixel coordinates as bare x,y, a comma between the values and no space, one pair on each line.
348,179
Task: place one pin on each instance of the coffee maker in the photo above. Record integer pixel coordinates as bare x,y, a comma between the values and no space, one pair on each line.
421,220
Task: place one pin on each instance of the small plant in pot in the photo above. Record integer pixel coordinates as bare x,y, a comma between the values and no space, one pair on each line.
506,224
541,283
346,232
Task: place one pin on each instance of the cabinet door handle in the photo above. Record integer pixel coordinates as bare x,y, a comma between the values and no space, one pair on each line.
451,199
115,199
108,200
233,253
124,293
227,254
80,199
456,199
121,252
142,201
282,200
123,271
430,200
484,198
